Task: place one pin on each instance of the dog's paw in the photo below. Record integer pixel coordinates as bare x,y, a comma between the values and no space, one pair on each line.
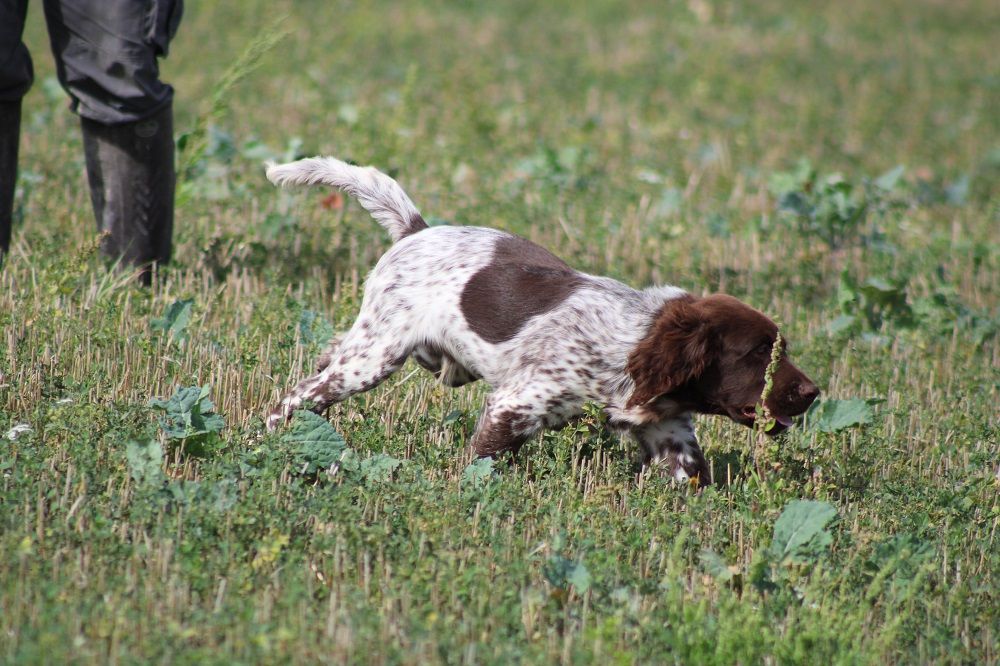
274,419
280,415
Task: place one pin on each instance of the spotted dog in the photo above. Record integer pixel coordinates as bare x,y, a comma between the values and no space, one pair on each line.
471,303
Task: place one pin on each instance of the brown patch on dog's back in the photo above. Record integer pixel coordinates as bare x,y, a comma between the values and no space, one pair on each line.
522,281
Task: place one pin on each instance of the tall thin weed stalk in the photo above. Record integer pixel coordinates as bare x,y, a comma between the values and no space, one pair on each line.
193,144
764,420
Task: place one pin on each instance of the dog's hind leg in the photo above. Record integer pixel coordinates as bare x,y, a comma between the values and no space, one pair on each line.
513,414
357,364
503,430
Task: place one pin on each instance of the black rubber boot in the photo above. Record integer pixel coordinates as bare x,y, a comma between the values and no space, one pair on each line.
10,130
130,169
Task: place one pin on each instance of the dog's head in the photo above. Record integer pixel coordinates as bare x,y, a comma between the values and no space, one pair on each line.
710,355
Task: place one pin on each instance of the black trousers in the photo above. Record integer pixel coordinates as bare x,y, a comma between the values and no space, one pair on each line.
106,54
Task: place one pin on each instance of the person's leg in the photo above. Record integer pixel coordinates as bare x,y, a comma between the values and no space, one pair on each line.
106,58
15,79
130,169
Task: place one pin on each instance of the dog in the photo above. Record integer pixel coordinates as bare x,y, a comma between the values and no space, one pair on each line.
471,303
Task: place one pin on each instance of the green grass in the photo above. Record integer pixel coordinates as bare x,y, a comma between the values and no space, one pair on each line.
650,141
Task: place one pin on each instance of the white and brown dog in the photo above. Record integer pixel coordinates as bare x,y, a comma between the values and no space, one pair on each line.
471,303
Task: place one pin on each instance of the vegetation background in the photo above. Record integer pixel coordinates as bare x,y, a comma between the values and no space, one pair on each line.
836,165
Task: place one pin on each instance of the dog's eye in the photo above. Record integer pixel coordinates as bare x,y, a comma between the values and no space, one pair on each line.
763,349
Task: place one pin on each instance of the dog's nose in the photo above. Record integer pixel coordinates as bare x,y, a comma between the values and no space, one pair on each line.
809,392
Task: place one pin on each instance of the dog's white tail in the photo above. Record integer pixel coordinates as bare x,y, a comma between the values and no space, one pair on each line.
379,194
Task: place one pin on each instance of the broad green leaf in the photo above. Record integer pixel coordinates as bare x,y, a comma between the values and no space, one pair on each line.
799,533
882,291
840,324
836,415
478,473
790,181
188,413
378,468
144,460
316,443
175,319
311,428
890,178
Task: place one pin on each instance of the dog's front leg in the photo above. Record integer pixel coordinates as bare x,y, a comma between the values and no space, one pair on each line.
358,363
506,423
672,442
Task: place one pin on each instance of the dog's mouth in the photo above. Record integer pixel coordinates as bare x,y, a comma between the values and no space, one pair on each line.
781,422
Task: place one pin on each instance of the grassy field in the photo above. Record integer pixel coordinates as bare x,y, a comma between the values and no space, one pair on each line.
751,148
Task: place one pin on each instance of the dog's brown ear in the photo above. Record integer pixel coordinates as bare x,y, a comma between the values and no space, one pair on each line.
676,350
